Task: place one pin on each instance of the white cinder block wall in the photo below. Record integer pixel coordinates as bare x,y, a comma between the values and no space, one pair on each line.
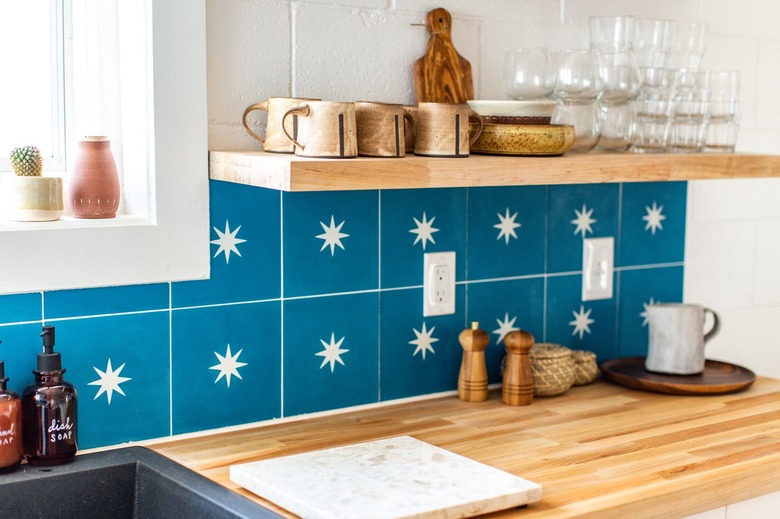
364,50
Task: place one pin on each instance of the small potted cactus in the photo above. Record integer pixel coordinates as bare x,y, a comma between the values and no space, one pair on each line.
31,197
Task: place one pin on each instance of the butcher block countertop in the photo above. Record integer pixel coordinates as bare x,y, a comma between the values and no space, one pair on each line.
598,451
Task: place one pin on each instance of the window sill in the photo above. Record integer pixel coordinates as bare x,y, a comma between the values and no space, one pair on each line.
68,222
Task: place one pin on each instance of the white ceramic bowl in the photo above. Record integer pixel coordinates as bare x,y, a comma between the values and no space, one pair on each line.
512,108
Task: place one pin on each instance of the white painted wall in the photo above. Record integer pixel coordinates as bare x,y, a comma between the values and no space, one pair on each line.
364,50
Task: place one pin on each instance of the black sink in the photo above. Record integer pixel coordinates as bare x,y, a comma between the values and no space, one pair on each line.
131,482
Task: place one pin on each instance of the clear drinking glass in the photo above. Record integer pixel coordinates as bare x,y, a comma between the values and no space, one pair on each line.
611,33
654,109
691,111
687,43
528,73
650,41
722,132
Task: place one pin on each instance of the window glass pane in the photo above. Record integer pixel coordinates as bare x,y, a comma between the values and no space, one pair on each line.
26,77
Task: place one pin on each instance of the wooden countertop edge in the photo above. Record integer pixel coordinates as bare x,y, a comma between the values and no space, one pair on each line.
753,469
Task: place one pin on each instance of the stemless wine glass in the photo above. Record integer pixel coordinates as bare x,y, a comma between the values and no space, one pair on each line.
578,87
528,73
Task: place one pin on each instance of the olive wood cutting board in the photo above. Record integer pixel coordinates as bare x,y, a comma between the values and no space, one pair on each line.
717,378
442,75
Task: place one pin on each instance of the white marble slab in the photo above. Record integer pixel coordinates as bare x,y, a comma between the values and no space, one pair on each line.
392,478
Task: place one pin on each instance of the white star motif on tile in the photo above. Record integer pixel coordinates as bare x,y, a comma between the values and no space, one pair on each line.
583,221
332,235
332,352
654,217
504,327
507,226
424,230
424,341
228,365
227,242
109,381
581,322
643,314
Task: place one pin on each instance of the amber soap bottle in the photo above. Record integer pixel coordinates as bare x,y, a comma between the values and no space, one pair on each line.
49,412
10,426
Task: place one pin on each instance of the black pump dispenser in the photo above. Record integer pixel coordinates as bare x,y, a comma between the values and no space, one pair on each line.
49,360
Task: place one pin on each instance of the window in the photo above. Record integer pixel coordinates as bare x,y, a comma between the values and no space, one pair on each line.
169,240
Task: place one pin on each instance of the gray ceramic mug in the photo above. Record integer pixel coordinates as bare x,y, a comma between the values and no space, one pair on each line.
676,338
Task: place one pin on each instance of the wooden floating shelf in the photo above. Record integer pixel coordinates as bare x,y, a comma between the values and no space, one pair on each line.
290,173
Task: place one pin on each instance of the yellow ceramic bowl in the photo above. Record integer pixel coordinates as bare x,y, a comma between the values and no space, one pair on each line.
515,139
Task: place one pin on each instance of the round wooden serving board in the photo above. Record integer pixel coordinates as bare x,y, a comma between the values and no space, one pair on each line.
718,378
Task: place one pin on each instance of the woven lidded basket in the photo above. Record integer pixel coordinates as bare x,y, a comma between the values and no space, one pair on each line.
553,368
586,368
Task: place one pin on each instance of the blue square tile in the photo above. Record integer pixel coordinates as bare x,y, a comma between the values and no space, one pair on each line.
226,365
652,228
119,365
331,352
419,355
576,212
330,242
418,221
245,247
506,232
19,346
101,301
638,289
589,325
19,308
502,306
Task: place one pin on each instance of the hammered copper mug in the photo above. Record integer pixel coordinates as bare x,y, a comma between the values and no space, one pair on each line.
274,140
326,129
383,130
443,130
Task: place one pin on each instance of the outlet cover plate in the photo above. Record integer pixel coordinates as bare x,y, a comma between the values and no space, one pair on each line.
598,267
438,283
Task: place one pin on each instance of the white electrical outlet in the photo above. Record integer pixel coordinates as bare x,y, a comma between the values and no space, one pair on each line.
598,266
438,283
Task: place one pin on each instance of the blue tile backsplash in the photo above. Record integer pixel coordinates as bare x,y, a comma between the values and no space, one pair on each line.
315,302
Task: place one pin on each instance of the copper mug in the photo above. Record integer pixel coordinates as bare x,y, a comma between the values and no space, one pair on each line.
443,129
326,129
274,140
383,130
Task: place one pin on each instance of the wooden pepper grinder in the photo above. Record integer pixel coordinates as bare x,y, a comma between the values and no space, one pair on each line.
473,380
518,385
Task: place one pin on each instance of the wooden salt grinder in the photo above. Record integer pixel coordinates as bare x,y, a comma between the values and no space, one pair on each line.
473,380
518,385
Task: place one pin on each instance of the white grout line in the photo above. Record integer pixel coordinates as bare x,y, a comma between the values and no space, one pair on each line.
281,303
170,358
338,294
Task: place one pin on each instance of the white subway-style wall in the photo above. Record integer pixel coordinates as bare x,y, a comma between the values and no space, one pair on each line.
364,50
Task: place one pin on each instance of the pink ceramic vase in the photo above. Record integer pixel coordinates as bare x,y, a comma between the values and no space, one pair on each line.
94,182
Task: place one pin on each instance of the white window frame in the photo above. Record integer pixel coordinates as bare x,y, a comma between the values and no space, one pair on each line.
172,244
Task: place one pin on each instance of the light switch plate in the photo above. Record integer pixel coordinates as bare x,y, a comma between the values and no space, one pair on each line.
598,266
438,283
